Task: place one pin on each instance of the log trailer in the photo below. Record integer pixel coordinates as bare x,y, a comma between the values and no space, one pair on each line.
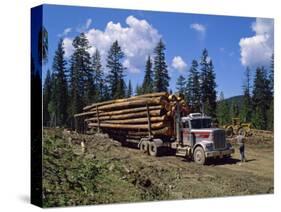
190,135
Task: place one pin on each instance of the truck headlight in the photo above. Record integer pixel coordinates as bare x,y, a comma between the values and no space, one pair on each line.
209,146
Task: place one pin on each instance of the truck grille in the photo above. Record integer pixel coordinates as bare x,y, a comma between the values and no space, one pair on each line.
219,139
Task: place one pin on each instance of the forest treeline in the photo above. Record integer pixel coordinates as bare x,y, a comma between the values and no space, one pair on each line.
257,103
72,84
82,80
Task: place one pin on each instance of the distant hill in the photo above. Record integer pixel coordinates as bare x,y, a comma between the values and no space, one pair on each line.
235,100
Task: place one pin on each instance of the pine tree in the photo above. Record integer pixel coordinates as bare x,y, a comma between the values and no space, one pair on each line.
52,104
43,45
270,112
223,111
212,87
46,98
246,111
138,90
98,76
270,116
203,76
234,109
130,90
61,90
181,84
147,84
271,75
76,93
171,91
208,85
106,94
81,75
81,44
261,98
116,76
161,76
193,95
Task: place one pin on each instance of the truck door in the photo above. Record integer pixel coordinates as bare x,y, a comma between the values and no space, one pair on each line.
186,135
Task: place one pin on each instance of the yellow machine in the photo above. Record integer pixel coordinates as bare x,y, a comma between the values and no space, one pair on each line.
238,128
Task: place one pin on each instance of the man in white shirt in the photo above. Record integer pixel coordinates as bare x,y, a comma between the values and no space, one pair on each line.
241,143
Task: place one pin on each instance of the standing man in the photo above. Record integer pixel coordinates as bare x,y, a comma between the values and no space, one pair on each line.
241,143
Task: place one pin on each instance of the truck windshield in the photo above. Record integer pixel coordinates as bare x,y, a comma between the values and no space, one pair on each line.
201,123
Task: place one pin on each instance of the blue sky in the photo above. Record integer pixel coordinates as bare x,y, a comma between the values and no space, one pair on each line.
232,42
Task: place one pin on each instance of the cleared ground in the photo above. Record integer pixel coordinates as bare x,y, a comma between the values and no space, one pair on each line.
106,172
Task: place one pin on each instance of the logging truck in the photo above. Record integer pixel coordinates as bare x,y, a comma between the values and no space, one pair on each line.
157,122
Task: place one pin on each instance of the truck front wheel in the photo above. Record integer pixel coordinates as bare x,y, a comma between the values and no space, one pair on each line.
199,156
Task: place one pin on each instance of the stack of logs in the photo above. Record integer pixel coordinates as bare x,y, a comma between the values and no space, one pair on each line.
131,118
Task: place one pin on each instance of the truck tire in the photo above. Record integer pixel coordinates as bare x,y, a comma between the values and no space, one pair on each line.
153,149
144,146
199,156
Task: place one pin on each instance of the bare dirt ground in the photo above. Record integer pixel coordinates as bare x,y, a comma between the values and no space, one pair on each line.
126,175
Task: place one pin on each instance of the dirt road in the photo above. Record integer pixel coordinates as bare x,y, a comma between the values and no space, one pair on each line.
129,175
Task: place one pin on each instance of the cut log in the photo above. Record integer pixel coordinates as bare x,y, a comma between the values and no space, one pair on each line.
125,132
152,113
131,110
85,113
154,126
135,103
137,120
150,95
118,112
172,97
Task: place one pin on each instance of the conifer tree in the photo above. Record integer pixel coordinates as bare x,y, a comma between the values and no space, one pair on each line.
138,90
116,71
106,94
161,76
147,84
130,89
223,114
270,112
98,77
46,98
271,74
212,88
246,111
181,84
81,75
60,94
43,45
52,104
261,98
234,109
208,85
193,95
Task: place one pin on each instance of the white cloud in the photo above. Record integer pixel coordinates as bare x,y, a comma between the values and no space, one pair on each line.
178,63
208,59
257,50
65,32
198,27
68,48
137,41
